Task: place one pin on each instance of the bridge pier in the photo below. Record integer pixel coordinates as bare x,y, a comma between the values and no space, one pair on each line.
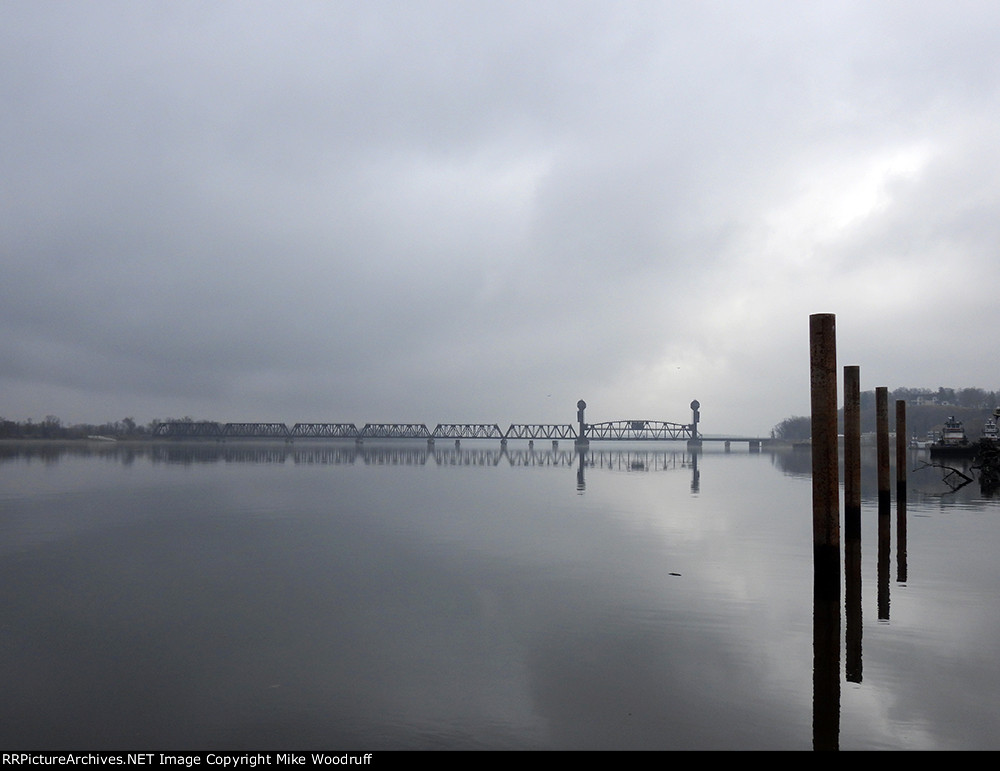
581,434
694,441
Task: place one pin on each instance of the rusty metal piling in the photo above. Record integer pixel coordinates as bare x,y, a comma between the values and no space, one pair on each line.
901,443
852,451
882,443
826,531
902,465
825,463
852,521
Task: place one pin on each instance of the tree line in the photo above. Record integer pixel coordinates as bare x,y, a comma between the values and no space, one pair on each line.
51,427
926,411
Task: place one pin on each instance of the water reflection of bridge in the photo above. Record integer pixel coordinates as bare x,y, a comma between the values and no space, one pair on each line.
580,458
632,460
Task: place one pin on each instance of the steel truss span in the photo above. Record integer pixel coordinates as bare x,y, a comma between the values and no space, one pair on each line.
627,430
540,431
468,431
639,430
189,429
395,431
256,430
324,431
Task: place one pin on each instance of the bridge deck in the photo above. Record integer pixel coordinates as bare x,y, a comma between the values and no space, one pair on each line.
617,430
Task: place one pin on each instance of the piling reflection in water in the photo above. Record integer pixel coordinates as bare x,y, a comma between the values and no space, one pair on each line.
826,614
826,657
901,532
884,551
853,605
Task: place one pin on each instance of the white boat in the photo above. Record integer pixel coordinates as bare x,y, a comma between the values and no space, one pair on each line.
990,430
953,433
953,440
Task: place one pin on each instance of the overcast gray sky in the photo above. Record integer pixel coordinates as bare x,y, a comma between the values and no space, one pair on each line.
484,211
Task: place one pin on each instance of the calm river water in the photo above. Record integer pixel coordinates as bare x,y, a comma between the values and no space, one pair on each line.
326,596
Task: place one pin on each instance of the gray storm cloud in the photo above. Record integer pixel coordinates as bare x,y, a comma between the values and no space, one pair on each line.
442,211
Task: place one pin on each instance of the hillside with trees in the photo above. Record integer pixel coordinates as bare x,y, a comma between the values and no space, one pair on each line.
51,427
926,412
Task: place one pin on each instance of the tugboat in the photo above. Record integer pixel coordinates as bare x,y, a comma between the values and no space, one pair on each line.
991,433
988,456
953,440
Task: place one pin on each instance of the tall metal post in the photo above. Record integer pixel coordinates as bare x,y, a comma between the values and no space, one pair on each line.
825,463
901,442
884,498
901,467
852,450
852,521
882,442
826,531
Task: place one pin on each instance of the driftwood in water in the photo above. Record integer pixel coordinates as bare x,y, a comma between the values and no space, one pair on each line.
986,455
949,478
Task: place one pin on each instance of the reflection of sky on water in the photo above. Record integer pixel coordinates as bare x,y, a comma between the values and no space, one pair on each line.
385,604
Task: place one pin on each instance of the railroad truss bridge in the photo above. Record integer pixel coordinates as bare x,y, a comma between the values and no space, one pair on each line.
618,429
581,434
